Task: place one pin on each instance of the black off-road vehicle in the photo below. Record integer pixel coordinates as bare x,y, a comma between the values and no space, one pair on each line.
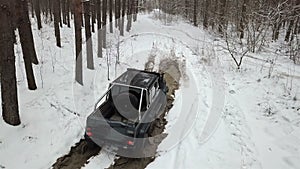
123,116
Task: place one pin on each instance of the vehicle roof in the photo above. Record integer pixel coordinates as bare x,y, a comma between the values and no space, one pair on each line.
137,78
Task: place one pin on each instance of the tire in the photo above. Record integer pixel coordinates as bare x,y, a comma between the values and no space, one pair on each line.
89,142
127,105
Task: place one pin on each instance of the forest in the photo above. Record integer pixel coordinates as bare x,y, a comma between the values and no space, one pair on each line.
242,30
244,24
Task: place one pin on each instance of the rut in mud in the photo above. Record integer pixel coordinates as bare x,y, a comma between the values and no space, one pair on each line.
78,155
172,76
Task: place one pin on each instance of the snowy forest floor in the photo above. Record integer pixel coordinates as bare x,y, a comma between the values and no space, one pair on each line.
222,117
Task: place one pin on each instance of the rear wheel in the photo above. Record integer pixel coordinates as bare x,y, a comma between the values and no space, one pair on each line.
151,129
140,147
89,142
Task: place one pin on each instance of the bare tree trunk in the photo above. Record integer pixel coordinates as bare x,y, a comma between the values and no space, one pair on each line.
206,12
56,22
276,29
32,8
68,13
64,11
214,16
123,17
298,26
119,13
44,8
195,13
50,9
289,30
10,108
129,15
111,16
294,34
27,43
116,13
243,19
37,8
104,21
78,40
88,35
222,18
44,5
99,26
186,8
93,9
59,12
135,9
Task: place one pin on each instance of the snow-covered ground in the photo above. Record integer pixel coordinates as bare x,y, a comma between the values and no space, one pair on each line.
222,117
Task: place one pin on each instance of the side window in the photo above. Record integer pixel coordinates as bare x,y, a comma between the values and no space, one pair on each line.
144,101
156,85
154,90
152,93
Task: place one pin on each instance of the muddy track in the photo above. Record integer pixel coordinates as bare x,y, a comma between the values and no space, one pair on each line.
141,163
172,77
78,155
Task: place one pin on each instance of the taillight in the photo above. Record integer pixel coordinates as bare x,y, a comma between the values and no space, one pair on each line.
131,143
90,134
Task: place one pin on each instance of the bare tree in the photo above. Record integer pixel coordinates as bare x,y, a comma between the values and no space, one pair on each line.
27,43
206,13
108,58
32,8
222,18
236,50
291,19
195,14
99,26
37,9
104,21
88,35
57,19
243,19
129,15
10,110
58,6
111,28
93,12
50,3
276,19
78,38
123,17
117,12
64,11
68,5
186,9
135,9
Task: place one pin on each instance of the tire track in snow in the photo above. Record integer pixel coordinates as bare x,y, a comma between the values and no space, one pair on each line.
235,119
237,122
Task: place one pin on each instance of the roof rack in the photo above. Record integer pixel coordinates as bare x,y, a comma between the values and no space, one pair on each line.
144,71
